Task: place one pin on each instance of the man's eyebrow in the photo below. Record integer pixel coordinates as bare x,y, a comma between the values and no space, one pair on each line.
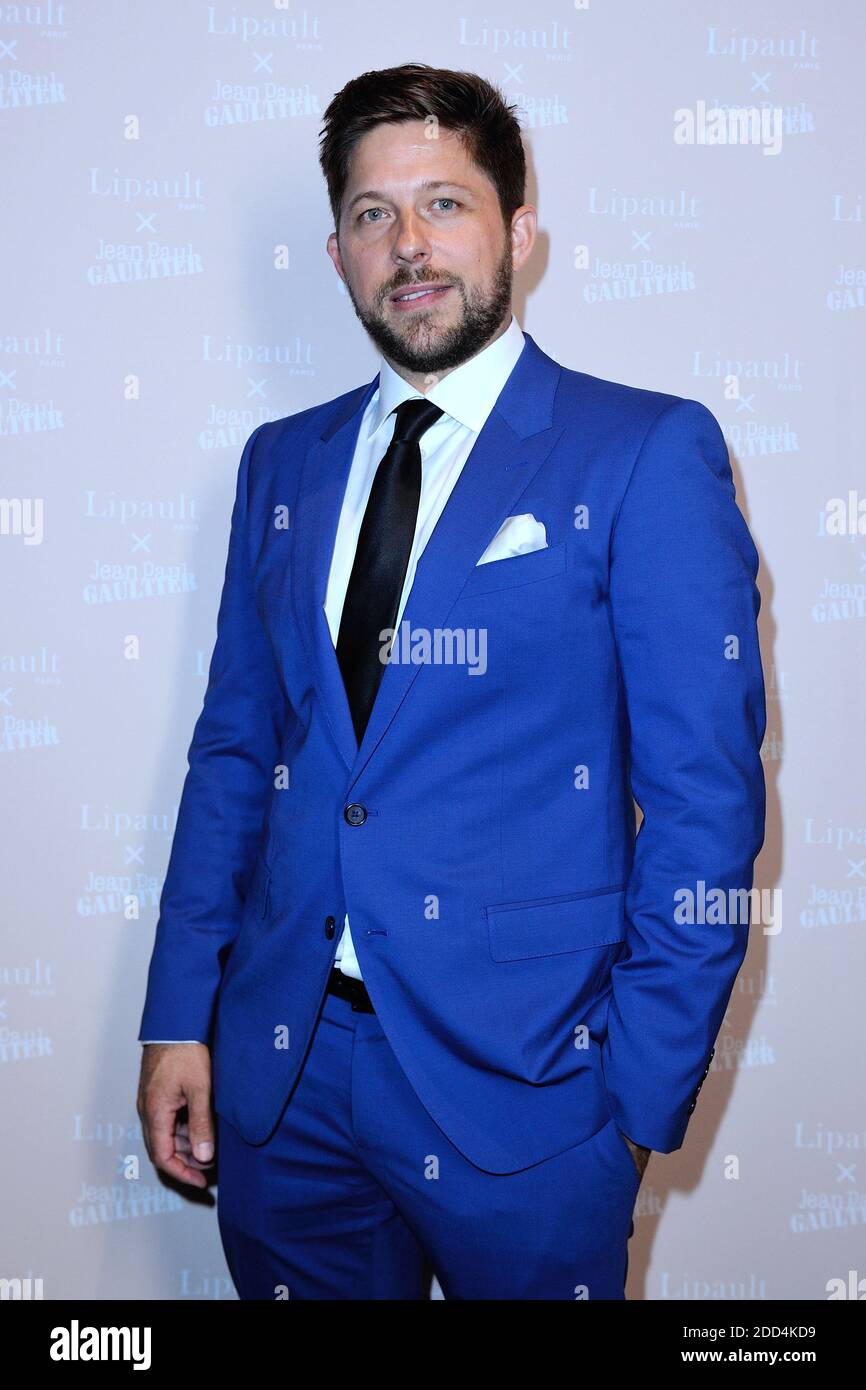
427,185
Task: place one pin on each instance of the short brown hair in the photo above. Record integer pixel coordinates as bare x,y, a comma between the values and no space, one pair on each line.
461,102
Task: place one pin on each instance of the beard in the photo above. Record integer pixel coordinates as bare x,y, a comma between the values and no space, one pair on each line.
422,349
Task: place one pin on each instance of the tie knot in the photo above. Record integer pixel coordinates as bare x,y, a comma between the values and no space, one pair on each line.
413,418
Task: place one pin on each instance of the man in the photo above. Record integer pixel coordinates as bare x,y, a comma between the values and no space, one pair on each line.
472,612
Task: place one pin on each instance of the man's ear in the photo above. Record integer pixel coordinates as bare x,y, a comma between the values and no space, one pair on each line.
332,247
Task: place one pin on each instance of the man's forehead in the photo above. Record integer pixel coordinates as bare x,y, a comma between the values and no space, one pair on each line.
428,165
409,140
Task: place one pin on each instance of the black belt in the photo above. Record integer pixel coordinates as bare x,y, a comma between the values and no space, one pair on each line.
347,987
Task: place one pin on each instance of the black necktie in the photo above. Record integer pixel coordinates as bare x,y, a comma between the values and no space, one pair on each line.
381,559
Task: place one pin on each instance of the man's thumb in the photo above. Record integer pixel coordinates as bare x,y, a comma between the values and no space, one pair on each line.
200,1125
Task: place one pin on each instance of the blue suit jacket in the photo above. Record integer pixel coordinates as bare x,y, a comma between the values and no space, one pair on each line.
522,945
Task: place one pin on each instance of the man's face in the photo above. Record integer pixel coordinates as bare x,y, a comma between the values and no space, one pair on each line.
418,213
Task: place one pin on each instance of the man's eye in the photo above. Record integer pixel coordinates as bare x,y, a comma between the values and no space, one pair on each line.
365,214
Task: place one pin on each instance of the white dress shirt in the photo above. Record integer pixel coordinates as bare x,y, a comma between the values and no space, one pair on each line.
466,396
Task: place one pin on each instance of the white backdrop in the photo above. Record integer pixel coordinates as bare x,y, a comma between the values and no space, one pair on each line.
166,288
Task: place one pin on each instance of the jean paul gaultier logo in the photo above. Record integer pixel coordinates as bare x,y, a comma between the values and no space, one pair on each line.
831,906
834,907
117,895
644,271
100,1205
250,103
838,1202
23,1044
840,601
114,581
20,417
270,102
619,280
766,122
229,427
848,290
549,39
828,1211
743,382
125,262
150,256
29,89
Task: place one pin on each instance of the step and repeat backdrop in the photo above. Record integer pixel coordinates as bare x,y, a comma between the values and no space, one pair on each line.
698,171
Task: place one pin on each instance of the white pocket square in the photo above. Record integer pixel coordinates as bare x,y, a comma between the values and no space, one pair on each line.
516,536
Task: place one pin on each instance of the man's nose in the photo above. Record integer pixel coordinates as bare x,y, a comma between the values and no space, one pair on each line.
411,244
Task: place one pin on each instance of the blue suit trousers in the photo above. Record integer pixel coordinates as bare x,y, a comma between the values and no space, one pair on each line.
358,1194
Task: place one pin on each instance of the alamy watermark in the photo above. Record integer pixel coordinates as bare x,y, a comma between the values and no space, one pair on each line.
438,646
719,905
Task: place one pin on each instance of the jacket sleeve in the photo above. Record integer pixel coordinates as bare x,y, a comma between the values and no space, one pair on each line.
234,749
684,607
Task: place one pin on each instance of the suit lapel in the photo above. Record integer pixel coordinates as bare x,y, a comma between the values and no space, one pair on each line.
517,437
324,475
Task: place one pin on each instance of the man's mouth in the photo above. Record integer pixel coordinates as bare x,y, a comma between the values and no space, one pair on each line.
418,296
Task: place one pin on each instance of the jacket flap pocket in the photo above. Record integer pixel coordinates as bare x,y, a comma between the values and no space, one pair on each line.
550,926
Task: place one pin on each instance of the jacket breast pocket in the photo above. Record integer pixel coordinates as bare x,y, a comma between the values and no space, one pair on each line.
552,926
515,569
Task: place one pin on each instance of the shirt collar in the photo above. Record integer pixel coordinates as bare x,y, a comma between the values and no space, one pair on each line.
467,394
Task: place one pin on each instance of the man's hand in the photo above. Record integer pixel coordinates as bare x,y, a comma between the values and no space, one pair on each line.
638,1153
174,1075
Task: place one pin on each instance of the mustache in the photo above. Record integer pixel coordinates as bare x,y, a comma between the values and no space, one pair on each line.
416,283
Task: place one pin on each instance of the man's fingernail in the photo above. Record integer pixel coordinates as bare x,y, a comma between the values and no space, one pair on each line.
203,1152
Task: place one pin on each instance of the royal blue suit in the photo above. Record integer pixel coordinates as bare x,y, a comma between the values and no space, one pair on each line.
520,943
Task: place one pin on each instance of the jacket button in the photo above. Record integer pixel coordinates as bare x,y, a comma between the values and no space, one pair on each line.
330,927
355,814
